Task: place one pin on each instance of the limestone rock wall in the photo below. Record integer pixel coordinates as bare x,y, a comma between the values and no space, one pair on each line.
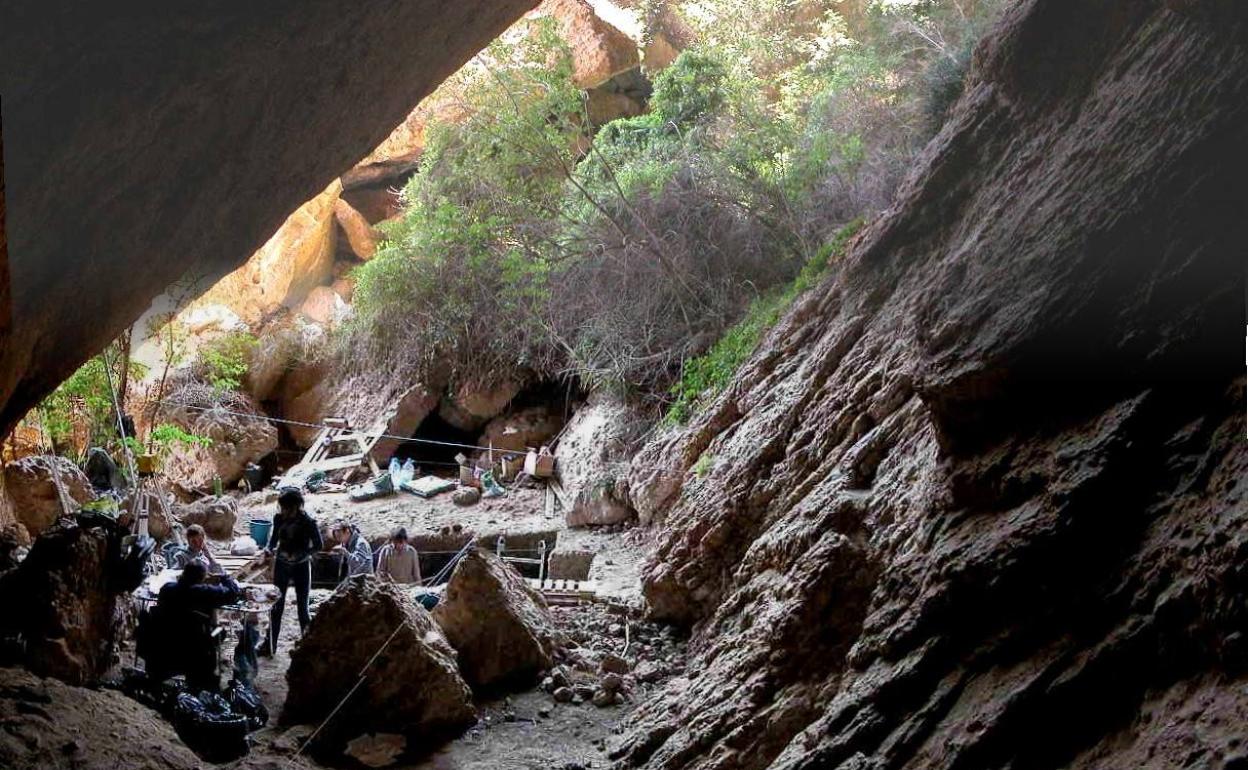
152,142
981,499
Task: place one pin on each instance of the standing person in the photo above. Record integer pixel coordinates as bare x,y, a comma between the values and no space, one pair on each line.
293,541
197,550
398,561
353,549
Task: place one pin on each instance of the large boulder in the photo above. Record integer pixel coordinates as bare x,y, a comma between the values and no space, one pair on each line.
296,259
402,417
61,600
592,461
324,306
217,515
42,488
239,433
599,50
499,626
361,236
529,427
412,685
471,405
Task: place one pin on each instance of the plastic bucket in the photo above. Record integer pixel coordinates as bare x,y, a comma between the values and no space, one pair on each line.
260,529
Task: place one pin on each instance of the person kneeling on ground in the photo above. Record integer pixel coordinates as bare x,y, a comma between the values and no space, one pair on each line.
295,537
197,550
185,620
398,561
353,549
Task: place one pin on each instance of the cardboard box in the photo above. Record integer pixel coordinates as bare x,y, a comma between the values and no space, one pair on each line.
540,464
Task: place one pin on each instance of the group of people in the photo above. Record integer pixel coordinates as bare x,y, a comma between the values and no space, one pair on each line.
295,538
185,606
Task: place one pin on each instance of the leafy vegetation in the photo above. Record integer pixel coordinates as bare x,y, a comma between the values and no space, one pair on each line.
84,404
224,362
706,376
651,254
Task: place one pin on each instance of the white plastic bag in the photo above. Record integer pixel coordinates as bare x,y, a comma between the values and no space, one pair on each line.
244,546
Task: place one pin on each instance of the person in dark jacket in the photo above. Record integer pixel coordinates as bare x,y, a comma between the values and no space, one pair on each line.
185,618
294,539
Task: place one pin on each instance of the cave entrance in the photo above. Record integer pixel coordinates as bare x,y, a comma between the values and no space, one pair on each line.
436,459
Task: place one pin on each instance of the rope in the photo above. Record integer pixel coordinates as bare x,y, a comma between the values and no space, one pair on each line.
442,573
322,426
121,422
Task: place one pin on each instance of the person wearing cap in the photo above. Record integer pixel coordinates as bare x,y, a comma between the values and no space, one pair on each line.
397,561
295,537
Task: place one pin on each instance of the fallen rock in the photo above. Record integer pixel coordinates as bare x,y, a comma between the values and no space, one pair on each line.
471,405
62,601
466,496
515,432
344,287
413,687
599,50
592,459
614,664
361,236
604,698
217,515
31,484
612,682
377,749
569,565
238,433
563,694
324,306
499,626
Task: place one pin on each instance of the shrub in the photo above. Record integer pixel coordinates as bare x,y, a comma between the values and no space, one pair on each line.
706,376
224,362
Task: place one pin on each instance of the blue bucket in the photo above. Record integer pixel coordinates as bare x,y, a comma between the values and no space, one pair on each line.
260,529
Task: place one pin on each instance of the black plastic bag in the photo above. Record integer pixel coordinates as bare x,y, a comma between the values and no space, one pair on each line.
209,727
245,701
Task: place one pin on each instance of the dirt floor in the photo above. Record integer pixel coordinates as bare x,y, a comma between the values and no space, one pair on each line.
525,729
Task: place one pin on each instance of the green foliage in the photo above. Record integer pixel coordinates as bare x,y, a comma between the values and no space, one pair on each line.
86,399
166,436
706,376
470,256
224,362
704,465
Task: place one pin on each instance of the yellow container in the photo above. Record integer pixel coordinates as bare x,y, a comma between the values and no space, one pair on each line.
145,463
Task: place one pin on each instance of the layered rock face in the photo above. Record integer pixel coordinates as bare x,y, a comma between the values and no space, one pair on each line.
172,141
981,499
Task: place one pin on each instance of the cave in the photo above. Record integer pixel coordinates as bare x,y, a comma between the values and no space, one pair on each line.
437,458
974,494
